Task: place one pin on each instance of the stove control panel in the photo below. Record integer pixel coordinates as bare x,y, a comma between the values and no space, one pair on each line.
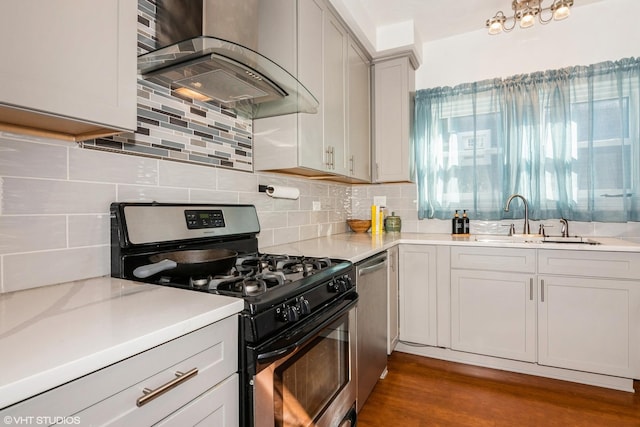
204,219
340,284
292,312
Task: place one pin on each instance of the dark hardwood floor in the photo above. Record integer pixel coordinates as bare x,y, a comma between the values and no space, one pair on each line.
421,392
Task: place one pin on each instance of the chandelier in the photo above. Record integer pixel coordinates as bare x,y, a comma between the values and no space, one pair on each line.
525,13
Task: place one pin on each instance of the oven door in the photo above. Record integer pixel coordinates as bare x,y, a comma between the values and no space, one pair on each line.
307,377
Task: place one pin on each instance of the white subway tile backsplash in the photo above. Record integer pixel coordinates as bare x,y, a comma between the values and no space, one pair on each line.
177,174
40,196
295,219
24,159
89,230
261,201
29,270
32,233
213,196
98,166
272,220
286,235
309,231
237,181
139,193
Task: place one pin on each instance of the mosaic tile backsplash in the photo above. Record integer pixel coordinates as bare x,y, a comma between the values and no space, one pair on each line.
178,128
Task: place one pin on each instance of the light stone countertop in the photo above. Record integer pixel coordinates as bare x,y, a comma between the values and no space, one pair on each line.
54,334
359,246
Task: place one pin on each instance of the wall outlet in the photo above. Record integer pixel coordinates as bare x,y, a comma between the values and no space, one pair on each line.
380,200
317,206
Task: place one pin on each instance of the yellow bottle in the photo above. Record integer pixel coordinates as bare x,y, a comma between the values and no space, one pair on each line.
374,219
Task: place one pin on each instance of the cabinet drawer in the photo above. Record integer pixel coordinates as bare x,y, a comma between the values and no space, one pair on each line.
495,259
618,265
218,407
108,396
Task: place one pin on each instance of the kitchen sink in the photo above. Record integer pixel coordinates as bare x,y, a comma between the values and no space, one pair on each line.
515,238
534,238
570,239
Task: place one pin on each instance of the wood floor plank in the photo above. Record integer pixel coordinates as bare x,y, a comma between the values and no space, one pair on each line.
420,392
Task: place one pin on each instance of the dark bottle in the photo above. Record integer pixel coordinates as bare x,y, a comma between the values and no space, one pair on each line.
456,224
465,222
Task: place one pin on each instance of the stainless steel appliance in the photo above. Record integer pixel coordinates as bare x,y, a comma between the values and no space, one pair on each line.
297,330
371,285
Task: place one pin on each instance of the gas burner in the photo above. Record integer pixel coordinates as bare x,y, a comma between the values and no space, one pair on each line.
198,282
272,278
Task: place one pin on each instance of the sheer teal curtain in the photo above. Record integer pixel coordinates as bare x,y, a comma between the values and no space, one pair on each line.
567,140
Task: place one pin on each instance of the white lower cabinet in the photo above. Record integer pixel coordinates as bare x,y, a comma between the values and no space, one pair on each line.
590,324
493,313
417,292
570,309
194,378
493,305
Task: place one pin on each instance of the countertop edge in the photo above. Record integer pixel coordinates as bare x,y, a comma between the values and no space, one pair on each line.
17,390
361,246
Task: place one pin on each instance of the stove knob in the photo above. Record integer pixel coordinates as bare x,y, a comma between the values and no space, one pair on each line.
303,306
294,315
342,284
348,282
287,313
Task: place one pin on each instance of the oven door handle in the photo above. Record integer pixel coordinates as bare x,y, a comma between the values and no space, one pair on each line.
313,327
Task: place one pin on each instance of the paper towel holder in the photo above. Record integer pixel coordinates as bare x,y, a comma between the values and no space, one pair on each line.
280,192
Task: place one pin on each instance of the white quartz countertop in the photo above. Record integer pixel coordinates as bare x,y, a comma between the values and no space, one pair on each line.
358,246
55,334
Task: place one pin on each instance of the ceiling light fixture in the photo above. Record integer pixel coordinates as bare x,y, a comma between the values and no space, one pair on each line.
525,13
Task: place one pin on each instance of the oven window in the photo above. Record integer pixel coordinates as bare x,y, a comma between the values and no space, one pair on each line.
306,384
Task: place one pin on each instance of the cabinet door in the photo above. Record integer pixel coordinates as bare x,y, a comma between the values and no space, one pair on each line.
74,59
335,111
393,87
493,313
359,122
311,71
590,325
392,297
417,276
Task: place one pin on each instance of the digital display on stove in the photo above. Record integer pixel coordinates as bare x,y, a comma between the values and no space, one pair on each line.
204,219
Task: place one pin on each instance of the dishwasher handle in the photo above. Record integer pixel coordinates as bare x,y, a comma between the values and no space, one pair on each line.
373,265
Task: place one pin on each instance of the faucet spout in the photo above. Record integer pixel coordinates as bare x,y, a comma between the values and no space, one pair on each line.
525,229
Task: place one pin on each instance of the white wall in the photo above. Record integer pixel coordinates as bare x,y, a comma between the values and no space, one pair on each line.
607,30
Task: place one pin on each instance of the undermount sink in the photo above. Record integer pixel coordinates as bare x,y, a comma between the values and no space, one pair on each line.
570,239
515,238
534,238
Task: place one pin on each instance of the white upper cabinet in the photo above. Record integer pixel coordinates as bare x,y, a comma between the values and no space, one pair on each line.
359,114
308,39
394,89
68,67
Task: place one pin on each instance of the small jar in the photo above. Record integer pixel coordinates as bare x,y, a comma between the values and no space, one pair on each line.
392,223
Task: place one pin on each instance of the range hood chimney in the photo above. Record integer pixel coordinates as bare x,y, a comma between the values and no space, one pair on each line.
207,51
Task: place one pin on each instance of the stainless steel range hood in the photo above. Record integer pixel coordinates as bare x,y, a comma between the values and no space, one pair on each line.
215,67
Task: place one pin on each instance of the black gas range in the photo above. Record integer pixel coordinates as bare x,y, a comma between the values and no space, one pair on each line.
289,299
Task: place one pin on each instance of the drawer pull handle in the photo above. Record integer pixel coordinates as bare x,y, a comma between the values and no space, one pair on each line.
149,394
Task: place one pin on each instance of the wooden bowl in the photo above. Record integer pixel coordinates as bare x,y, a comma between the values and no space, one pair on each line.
359,225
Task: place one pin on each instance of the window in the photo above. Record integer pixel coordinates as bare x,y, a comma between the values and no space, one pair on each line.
567,140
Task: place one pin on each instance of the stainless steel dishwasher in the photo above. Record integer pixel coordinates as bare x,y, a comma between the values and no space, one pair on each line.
371,315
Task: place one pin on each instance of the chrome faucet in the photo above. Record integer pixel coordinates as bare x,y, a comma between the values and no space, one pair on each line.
525,229
565,227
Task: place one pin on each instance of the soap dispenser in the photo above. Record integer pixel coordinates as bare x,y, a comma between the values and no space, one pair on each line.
456,224
465,222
